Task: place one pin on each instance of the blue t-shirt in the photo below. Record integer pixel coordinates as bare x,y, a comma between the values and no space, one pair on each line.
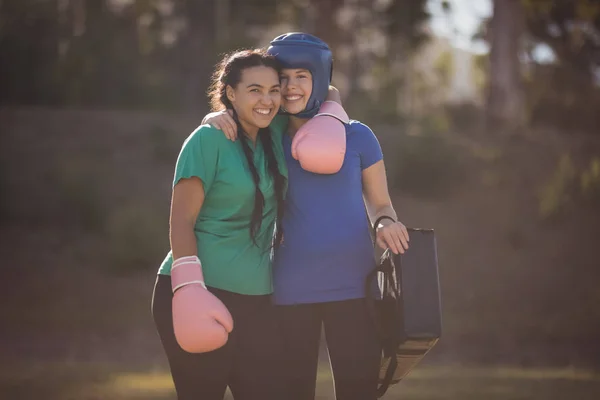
327,250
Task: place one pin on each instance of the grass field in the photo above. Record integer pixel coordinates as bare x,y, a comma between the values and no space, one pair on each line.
99,382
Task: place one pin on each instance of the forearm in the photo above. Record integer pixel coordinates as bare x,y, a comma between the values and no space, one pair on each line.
209,116
379,211
183,239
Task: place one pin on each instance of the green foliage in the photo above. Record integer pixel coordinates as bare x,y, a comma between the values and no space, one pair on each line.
562,98
570,28
590,181
83,54
557,193
160,55
381,106
444,68
570,186
564,94
480,66
425,164
136,237
465,116
403,19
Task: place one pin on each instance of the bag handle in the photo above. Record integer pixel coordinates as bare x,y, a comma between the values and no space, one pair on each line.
381,267
376,224
385,267
387,275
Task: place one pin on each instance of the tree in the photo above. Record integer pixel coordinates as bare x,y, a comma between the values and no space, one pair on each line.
564,93
389,67
505,101
570,27
161,53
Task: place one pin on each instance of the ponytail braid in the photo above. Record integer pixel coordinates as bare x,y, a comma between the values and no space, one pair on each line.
259,199
264,135
278,180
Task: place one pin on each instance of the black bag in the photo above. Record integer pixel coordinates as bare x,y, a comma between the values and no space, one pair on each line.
408,313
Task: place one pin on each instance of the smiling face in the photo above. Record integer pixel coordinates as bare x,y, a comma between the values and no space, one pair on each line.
296,88
256,98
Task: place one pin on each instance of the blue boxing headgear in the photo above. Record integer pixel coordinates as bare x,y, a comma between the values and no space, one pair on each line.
301,50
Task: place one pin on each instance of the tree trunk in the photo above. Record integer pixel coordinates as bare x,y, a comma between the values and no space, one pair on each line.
505,103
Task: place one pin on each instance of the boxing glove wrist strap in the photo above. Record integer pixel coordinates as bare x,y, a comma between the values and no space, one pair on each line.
189,283
335,110
189,260
331,115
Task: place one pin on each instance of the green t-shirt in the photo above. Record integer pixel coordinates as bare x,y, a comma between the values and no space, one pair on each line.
230,259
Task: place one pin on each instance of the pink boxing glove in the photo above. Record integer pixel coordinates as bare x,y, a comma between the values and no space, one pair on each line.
320,144
200,320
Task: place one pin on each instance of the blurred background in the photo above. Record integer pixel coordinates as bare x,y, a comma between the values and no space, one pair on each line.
487,112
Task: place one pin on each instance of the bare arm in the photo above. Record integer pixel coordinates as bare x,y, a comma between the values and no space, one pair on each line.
186,202
377,198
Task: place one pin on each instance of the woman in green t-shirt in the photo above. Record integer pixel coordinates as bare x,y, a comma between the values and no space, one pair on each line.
227,198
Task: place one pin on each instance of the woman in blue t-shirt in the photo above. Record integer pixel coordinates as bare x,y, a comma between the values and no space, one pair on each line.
321,266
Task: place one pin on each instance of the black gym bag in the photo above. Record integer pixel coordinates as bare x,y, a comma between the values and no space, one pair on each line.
408,313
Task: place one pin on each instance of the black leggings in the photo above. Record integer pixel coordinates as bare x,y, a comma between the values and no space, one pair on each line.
250,363
352,342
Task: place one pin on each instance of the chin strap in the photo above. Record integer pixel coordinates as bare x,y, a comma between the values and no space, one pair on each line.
305,114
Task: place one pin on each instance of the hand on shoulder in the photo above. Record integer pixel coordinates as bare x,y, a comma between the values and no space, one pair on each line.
222,120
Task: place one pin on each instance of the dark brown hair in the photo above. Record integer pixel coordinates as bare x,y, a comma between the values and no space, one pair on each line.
229,73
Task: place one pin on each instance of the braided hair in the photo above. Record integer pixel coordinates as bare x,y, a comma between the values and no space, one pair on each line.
229,73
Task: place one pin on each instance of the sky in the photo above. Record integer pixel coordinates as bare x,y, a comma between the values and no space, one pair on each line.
462,22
